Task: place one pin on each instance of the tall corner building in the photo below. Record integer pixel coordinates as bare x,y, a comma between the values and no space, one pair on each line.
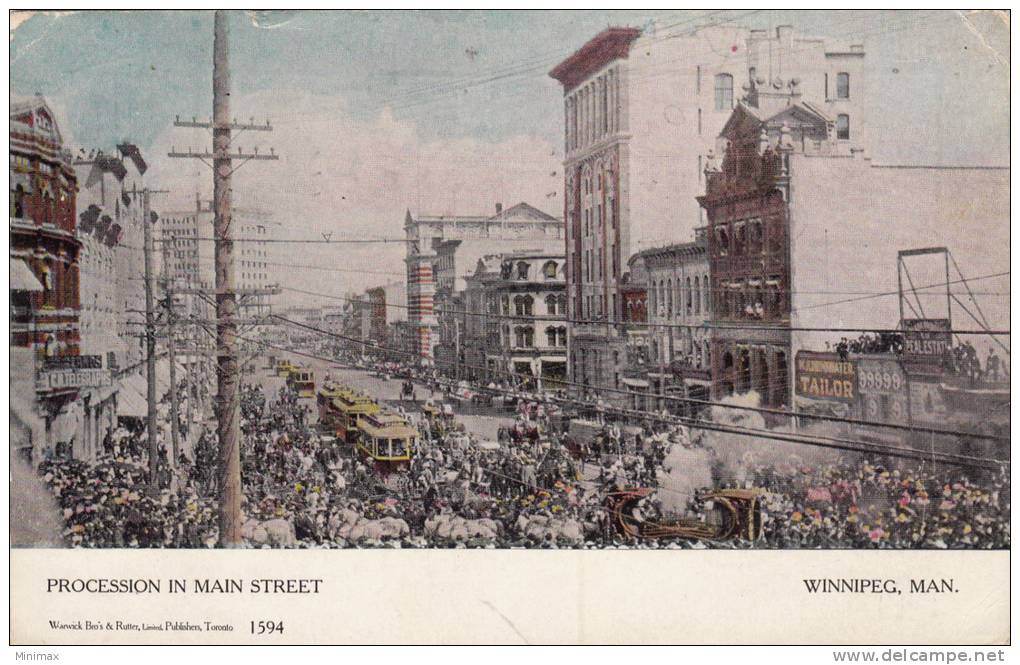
642,113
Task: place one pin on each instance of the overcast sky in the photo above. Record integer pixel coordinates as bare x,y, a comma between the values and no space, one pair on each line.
377,112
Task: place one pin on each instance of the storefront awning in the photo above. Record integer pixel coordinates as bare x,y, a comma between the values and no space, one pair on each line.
130,404
635,383
22,277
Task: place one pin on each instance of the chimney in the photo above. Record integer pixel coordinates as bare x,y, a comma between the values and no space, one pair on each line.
499,207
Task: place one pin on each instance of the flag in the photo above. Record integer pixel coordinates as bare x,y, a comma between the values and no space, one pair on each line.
125,197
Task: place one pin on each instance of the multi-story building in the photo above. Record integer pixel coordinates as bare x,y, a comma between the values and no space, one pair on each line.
108,223
45,264
678,308
481,316
642,110
450,246
801,224
531,292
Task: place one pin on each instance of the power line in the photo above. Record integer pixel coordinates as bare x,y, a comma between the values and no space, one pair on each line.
555,318
674,398
817,440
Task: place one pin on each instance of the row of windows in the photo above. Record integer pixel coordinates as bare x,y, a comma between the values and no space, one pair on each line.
548,270
525,305
690,299
752,300
524,336
592,111
595,308
746,236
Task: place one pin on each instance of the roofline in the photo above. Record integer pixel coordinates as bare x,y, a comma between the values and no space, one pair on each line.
610,44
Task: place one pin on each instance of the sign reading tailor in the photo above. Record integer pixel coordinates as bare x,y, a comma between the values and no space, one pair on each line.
926,341
823,375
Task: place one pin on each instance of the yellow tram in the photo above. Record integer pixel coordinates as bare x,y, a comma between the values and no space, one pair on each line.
284,368
302,381
348,409
387,439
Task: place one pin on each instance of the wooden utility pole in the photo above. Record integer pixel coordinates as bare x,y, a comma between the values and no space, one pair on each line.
150,341
150,348
171,343
228,398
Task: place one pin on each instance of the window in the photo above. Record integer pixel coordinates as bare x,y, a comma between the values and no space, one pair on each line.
697,295
687,296
669,298
522,270
723,92
842,86
550,304
549,270
550,336
843,127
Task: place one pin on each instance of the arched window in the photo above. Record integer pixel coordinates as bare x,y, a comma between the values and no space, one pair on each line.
522,270
550,304
518,306
669,298
687,296
562,333
697,295
529,303
549,270
562,302
723,92
550,336
843,127
842,85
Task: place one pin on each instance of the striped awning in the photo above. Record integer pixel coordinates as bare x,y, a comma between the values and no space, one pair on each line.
22,277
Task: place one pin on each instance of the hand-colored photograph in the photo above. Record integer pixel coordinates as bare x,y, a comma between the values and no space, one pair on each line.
637,280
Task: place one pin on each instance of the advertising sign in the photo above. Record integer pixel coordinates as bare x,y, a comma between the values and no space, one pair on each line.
822,375
925,343
882,386
927,403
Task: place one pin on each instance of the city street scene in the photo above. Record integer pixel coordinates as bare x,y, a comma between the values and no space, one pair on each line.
565,280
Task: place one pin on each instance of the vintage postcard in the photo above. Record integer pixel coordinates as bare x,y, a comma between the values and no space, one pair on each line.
591,326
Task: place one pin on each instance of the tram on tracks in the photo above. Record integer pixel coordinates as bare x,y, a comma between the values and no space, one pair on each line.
284,368
387,439
347,410
302,381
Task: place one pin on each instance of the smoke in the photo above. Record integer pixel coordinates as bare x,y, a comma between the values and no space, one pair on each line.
35,518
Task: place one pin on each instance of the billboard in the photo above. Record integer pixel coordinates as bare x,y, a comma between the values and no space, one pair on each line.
824,375
882,387
925,343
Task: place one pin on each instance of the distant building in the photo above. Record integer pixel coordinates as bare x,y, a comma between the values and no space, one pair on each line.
442,249
481,317
533,327
678,308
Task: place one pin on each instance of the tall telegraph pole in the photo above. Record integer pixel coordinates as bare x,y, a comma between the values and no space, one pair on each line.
228,402
150,340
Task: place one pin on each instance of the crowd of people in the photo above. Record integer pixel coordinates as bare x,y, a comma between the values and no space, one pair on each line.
538,484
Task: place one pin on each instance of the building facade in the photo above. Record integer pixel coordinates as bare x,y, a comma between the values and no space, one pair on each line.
642,111
45,255
531,292
436,260
790,208
678,310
